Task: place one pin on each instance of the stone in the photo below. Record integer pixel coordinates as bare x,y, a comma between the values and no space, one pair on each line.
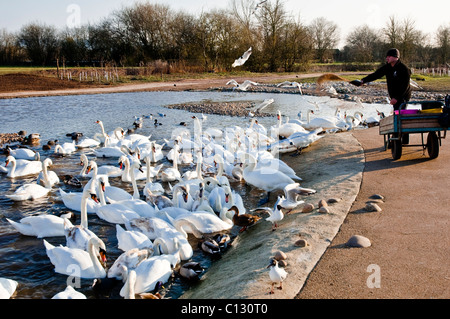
322,203
372,207
333,200
307,208
324,210
377,196
358,241
279,255
282,263
301,243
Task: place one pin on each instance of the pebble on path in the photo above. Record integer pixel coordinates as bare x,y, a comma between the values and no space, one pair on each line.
279,255
372,207
308,208
358,241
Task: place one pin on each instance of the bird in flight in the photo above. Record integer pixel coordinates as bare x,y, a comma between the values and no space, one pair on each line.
242,59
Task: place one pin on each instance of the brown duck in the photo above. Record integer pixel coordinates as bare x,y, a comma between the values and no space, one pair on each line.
243,220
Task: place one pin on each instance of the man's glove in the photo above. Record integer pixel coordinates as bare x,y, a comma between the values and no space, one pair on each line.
356,82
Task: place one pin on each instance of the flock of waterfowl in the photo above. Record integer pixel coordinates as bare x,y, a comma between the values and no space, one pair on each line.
153,223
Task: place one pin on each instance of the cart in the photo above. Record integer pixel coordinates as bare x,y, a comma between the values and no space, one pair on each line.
397,127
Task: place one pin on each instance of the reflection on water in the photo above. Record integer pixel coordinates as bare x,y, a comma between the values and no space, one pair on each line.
24,258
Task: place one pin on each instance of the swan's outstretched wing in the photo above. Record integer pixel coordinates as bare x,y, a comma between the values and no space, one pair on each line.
242,59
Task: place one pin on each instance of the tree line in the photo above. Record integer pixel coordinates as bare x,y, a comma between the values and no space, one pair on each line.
143,33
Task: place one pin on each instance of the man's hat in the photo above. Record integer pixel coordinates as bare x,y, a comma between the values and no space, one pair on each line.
394,53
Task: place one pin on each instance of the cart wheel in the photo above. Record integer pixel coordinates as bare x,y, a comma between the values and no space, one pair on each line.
396,148
433,145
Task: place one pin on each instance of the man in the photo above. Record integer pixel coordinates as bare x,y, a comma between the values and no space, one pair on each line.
398,77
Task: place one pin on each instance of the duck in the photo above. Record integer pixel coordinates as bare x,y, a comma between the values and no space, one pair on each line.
191,270
69,293
46,177
210,247
243,220
42,226
7,287
266,178
24,169
131,239
276,275
77,262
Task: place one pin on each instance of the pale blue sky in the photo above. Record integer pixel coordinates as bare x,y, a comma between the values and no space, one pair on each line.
347,14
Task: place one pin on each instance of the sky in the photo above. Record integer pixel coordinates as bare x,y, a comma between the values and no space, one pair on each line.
347,14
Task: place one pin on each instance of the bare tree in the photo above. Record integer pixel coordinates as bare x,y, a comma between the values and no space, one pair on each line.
326,36
443,43
363,44
40,42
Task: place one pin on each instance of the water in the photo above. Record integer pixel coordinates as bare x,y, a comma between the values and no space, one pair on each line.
23,258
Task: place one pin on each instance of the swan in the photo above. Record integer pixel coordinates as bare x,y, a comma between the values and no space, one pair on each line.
88,143
72,200
130,239
276,274
287,129
172,174
291,85
265,178
41,226
277,164
201,203
109,170
110,149
79,236
146,275
199,223
115,213
26,168
30,191
242,59
181,197
22,153
46,177
154,227
151,171
65,148
197,174
128,259
262,105
296,141
326,123
77,262
69,293
138,172
7,287
156,154
158,200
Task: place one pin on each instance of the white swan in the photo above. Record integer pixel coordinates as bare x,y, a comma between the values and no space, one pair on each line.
29,192
137,170
129,259
65,148
115,213
7,287
46,177
199,223
172,174
146,275
242,59
155,227
326,123
69,293
287,129
80,235
26,168
131,239
181,197
77,262
21,153
151,171
201,202
41,226
72,200
266,178
291,85
109,170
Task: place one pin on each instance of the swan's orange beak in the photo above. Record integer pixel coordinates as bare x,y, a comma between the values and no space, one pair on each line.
121,165
88,169
185,197
103,186
6,163
103,255
227,198
95,198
